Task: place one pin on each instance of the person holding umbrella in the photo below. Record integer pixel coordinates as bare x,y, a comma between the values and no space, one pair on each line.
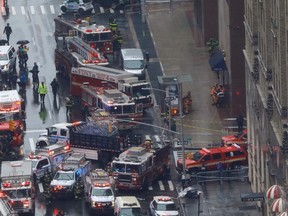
7,31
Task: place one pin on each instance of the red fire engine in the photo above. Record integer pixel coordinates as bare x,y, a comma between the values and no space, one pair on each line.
109,78
12,125
138,166
207,159
97,36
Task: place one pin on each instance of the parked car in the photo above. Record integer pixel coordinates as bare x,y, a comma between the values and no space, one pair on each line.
163,205
8,58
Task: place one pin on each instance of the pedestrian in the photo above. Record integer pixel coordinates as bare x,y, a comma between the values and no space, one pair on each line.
7,31
240,121
42,90
55,86
35,72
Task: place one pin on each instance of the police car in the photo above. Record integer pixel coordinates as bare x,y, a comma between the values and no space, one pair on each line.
163,205
79,6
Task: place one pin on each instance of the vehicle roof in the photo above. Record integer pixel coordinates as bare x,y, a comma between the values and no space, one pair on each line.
16,168
165,199
9,96
221,149
132,54
62,125
134,155
132,201
4,49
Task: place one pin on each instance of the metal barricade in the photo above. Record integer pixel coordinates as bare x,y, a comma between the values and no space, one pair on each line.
225,175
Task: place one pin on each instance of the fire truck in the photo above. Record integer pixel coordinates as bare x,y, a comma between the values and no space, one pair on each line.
11,115
231,157
98,37
71,170
108,78
72,51
138,166
48,158
17,185
99,192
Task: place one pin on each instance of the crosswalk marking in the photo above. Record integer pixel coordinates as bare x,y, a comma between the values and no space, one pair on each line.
150,188
32,10
102,10
111,10
23,10
13,9
121,11
42,9
32,144
161,185
52,9
171,186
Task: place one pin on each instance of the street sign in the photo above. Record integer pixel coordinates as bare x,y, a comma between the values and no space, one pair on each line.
252,197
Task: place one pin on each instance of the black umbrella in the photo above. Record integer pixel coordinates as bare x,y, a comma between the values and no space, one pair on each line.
3,42
23,42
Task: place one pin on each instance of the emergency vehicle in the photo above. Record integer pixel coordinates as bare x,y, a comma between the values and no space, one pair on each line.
162,206
207,159
116,103
109,78
79,6
17,185
239,139
127,205
71,170
48,158
11,118
97,140
98,37
99,192
5,208
138,166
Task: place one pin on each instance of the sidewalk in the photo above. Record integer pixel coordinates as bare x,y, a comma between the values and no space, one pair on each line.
172,39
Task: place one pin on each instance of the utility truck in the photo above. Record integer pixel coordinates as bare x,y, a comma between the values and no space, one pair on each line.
48,158
71,170
98,141
17,185
138,166
99,192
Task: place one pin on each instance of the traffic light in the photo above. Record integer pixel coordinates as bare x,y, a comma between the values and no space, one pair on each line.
11,125
174,112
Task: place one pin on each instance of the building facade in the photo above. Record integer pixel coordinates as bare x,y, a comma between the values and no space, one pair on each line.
266,36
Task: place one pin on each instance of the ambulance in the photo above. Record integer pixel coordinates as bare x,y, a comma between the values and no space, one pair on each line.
11,118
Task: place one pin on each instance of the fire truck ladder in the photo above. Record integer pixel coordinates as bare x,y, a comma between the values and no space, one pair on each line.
86,51
6,209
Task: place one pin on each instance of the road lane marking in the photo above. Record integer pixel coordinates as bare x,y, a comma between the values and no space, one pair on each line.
50,115
40,186
13,9
32,144
42,9
150,188
23,10
101,9
93,11
32,9
111,10
161,185
121,12
52,9
171,186
36,131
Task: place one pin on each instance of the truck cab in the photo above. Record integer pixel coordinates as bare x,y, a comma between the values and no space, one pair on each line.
99,193
127,205
71,170
240,139
17,185
48,158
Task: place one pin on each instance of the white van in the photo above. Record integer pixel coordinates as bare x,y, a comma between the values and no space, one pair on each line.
132,61
127,205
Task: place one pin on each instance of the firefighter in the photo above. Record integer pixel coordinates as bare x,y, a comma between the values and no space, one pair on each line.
48,196
47,180
113,25
69,105
79,189
119,38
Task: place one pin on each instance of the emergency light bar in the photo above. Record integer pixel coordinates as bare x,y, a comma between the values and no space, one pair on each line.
102,184
164,199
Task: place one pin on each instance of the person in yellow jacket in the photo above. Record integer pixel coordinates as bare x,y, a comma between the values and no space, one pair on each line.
42,90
